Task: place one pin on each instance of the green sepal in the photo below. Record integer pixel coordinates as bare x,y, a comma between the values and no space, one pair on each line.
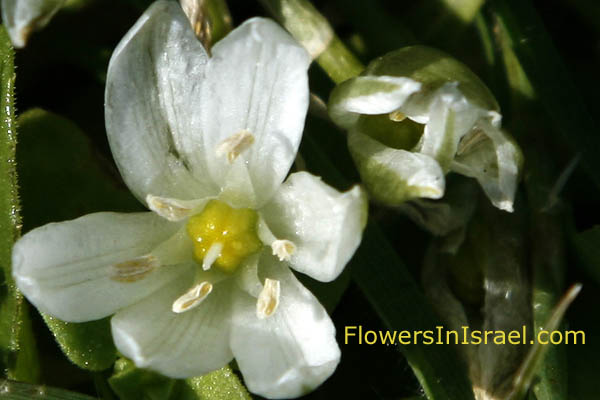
133,383
433,68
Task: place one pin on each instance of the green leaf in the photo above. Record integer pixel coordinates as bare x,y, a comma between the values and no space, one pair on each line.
62,179
17,346
134,383
382,276
548,260
394,294
524,33
537,352
12,390
89,345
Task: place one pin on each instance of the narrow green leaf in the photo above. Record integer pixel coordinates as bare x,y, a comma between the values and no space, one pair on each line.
525,34
381,275
62,179
12,390
548,260
536,354
133,383
394,294
17,346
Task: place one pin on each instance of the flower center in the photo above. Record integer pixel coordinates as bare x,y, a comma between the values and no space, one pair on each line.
393,130
224,236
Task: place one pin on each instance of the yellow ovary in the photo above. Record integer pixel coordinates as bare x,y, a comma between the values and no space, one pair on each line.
234,228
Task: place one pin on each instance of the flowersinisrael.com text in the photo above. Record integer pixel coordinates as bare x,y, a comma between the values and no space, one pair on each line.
356,334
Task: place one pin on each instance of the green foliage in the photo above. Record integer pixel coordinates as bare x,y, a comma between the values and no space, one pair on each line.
131,383
11,390
60,175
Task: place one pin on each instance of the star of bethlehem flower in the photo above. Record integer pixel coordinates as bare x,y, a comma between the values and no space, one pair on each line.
204,277
415,115
22,17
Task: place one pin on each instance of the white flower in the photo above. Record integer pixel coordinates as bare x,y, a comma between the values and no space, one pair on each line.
204,278
433,116
21,17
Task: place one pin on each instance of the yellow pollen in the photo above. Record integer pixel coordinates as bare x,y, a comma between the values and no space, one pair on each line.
234,228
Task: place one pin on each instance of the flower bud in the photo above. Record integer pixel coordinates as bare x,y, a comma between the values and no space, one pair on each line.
418,103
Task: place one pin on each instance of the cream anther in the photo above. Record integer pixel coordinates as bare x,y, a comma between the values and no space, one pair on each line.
192,297
268,299
234,145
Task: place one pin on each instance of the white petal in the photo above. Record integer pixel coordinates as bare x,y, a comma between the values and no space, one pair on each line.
369,95
291,352
451,117
176,345
174,209
394,176
495,161
256,82
21,17
325,225
67,269
246,277
152,99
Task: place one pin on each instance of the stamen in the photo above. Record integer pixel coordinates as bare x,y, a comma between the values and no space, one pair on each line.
397,116
268,299
171,209
192,297
470,140
133,270
283,249
234,145
211,256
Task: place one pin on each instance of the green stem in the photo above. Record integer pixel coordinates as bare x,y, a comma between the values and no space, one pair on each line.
338,62
313,31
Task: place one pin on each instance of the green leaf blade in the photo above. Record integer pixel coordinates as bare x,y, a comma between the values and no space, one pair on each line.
525,34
